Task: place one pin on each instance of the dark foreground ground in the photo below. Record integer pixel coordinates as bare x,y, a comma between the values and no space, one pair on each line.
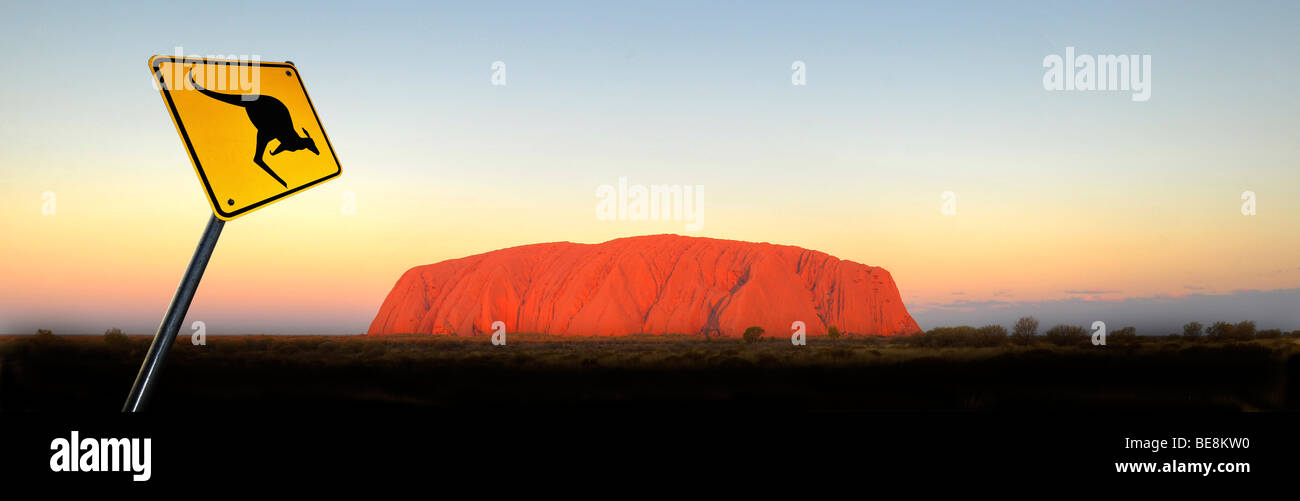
91,373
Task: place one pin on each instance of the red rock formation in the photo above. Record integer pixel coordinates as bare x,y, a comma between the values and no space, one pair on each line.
660,284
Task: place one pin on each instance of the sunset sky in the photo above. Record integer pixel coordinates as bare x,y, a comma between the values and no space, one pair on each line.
1067,202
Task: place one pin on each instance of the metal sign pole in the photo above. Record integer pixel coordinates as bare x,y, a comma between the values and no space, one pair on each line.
171,322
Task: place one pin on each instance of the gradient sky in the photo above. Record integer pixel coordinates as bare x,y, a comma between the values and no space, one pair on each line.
1063,197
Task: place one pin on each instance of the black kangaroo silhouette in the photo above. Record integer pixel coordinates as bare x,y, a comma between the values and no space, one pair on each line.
272,120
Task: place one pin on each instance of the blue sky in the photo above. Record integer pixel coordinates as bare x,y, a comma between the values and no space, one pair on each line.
1058,191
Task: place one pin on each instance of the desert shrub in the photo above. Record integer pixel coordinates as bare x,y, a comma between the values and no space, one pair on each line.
1224,331
1244,330
1025,330
1123,336
944,337
1067,335
752,334
45,339
833,332
1269,334
990,335
115,338
1192,329
284,347
1220,331
257,343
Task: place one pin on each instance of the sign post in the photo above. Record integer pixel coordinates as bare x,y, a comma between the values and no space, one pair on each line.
172,320
254,138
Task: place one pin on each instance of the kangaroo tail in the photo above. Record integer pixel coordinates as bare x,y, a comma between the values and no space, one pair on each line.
235,99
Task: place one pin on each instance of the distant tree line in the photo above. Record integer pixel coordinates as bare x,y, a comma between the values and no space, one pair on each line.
1025,332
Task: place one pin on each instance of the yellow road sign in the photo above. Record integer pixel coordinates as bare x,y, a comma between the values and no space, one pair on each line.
250,128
